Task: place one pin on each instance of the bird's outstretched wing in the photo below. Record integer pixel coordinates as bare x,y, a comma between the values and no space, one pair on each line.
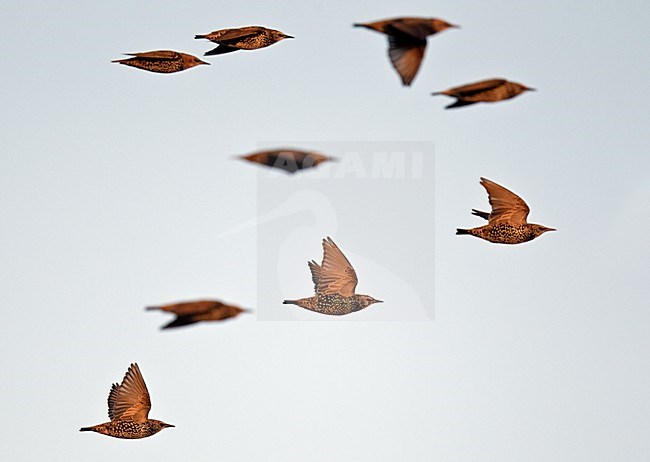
315,274
475,88
507,207
130,399
336,273
406,56
166,55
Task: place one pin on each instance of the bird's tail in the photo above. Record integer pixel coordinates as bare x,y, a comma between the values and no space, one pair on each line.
151,308
290,302
358,24
462,231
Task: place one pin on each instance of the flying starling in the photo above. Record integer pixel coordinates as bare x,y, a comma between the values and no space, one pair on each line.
407,40
192,312
334,284
289,160
242,38
507,221
486,91
128,408
161,61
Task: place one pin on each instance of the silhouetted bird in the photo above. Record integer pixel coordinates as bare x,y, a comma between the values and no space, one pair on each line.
507,220
192,312
486,91
289,160
242,38
162,61
128,409
334,284
407,41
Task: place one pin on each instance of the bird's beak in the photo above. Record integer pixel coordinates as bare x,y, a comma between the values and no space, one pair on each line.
289,36
455,26
531,89
203,62
550,229
169,425
379,301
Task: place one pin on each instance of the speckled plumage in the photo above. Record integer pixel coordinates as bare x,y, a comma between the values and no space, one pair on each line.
128,408
161,61
507,221
407,41
202,310
334,283
242,38
486,91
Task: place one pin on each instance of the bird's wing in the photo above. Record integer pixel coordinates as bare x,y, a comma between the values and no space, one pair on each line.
315,274
157,55
507,207
130,399
475,88
406,56
237,34
191,308
336,274
418,29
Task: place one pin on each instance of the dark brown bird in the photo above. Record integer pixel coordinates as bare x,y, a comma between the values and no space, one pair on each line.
128,409
334,284
242,38
507,221
486,91
161,61
203,310
289,160
407,41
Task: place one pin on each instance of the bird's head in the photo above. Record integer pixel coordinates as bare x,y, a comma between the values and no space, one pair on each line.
159,425
439,25
367,300
538,230
278,35
191,61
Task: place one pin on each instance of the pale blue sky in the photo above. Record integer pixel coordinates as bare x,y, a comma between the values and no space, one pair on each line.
116,187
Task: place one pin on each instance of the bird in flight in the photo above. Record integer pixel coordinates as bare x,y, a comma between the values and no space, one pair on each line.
334,283
161,61
242,38
507,221
128,408
407,41
289,160
203,310
486,91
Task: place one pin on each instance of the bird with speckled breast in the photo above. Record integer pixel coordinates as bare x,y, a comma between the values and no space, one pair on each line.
161,61
485,91
242,38
128,408
198,311
334,283
407,41
507,221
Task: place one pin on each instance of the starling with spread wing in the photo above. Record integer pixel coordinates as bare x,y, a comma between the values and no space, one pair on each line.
507,221
289,160
407,41
334,283
128,408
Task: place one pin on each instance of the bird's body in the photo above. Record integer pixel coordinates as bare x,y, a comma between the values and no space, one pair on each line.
507,221
161,61
486,91
335,282
128,408
407,41
193,312
242,38
289,160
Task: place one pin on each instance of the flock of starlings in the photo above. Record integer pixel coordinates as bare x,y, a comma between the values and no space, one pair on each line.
334,279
